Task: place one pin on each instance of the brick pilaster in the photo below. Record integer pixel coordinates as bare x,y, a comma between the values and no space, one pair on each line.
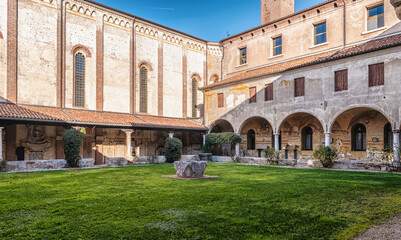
12,50
160,77
99,61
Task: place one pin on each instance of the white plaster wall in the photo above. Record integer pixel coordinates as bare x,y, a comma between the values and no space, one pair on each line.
172,80
81,30
117,80
3,49
37,53
147,51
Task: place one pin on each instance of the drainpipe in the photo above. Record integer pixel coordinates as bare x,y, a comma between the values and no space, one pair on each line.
344,24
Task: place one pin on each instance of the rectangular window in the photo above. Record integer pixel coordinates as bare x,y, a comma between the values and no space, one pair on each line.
320,33
269,92
220,100
376,75
375,17
299,87
277,46
242,58
341,80
252,95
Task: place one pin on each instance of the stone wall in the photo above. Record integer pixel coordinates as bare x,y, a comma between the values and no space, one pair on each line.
41,165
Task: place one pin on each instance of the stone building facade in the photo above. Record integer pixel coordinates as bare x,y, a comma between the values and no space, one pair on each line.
328,75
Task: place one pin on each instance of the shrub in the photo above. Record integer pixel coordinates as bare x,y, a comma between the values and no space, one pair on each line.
173,150
220,138
326,155
3,164
72,141
269,153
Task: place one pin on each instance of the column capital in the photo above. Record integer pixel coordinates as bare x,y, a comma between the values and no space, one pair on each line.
396,131
128,130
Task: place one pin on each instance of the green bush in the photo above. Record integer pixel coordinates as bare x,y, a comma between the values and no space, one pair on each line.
173,150
220,138
326,155
72,141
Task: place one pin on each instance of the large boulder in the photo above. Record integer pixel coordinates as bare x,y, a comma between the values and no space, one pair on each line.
190,169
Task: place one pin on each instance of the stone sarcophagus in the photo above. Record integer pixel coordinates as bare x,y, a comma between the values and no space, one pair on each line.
190,169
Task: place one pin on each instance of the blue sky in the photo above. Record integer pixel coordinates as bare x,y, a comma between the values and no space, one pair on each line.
207,19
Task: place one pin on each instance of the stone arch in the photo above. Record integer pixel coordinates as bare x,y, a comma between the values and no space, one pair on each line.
83,48
304,122
197,76
221,125
213,78
145,64
262,139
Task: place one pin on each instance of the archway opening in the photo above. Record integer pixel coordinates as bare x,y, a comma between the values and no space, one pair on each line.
256,133
221,126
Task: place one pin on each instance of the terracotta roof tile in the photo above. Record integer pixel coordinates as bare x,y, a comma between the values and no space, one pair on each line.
76,116
370,46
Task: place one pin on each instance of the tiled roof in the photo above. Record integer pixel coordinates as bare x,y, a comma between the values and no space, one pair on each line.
373,45
85,117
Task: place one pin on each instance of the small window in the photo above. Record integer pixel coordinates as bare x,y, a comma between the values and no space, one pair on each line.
79,80
341,80
376,75
220,100
375,18
299,87
358,137
307,139
215,79
277,46
143,95
194,98
320,33
242,59
269,92
252,95
251,140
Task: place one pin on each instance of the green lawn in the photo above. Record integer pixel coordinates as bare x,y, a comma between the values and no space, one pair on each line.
245,202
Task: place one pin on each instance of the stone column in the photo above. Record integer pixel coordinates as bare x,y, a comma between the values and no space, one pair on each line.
171,135
327,139
237,154
204,139
1,143
128,143
396,135
277,142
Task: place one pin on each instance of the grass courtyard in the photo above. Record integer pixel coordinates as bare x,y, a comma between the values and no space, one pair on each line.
245,202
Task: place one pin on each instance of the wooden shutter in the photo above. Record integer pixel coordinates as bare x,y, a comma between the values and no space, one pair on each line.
341,80
376,75
220,100
252,95
299,87
269,92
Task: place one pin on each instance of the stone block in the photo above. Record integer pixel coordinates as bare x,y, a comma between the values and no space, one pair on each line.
190,169
116,162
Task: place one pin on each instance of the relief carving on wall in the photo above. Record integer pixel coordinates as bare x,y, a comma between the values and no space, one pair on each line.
37,142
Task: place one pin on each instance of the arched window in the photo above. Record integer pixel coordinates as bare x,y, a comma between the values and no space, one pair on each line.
358,136
143,95
79,80
251,140
388,136
194,97
307,138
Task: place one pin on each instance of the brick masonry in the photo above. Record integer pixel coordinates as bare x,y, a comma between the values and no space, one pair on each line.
160,77
99,62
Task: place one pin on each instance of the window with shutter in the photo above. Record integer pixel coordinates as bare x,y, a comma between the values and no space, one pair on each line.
341,80
376,75
194,97
252,95
79,80
269,92
220,100
143,95
299,87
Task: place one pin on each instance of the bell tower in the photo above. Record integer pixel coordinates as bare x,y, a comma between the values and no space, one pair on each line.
275,9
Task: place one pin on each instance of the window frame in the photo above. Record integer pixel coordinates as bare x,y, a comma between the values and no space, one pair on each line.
243,57
251,135
354,136
304,135
194,97
277,46
75,78
375,16
140,89
316,35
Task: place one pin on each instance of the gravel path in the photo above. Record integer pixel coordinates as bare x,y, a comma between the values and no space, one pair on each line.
389,230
